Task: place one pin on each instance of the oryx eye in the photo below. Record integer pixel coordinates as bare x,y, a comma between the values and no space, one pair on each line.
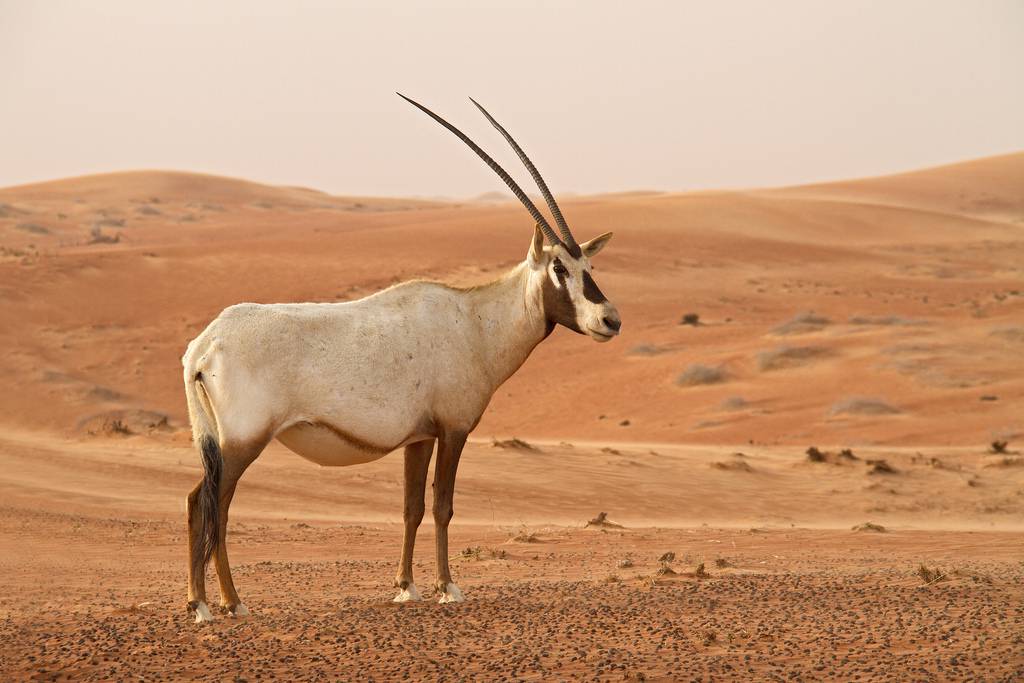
560,269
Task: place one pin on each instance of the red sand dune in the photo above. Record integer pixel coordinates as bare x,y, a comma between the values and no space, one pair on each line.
884,314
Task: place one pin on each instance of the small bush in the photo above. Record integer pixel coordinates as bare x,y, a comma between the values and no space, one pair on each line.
879,467
96,236
690,319
870,526
930,576
645,350
802,323
696,375
33,228
862,406
789,357
514,444
734,403
815,455
885,320
998,447
847,454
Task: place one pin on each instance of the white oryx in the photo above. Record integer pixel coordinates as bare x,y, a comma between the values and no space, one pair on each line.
346,383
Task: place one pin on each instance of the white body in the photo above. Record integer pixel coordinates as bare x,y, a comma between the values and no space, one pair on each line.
346,383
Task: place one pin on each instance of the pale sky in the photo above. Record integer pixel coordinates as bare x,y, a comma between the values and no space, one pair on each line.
605,96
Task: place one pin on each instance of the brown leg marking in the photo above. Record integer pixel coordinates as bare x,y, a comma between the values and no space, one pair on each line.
449,449
236,460
417,459
196,582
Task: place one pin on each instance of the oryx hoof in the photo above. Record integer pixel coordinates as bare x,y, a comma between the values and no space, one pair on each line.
408,594
201,611
239,610
451,593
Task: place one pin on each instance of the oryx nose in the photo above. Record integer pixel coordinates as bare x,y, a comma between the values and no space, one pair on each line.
612,323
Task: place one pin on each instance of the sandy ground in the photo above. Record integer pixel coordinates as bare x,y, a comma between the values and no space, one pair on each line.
885,316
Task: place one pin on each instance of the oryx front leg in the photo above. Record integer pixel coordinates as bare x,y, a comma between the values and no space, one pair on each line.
449,449
417,459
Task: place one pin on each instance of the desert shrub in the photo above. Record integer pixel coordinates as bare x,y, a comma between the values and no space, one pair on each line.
1011,334
815,455
879,467
734,403
882,320
690,319
789,357
96,236
931,575
645,350
33,228
862,406
998,447
514,444
732,466
802,323
870,526
697,374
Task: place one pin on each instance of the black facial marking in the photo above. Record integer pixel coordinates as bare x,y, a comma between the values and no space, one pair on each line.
591,291
558,306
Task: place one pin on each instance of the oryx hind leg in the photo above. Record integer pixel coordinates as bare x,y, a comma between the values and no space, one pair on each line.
237,459
417,459
449,450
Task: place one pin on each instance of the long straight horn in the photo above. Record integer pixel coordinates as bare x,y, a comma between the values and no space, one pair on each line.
563,227
516,190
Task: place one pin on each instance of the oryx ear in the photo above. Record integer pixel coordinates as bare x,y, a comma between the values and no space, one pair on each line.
536,256
595,245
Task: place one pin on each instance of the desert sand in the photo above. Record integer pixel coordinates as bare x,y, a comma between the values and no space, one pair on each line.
883,317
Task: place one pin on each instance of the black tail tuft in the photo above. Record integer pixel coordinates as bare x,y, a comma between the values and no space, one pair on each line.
208,504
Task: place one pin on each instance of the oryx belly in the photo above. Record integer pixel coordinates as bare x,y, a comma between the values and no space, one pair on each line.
330,446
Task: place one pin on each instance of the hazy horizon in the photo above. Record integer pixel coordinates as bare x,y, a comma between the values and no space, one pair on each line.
662,96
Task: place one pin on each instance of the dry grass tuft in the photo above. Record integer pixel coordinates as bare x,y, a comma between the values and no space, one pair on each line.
870,526
862,406
524,535
734,403
645,350
97,236
784,357
514,444
815,455
696,375
1010,334
879,467
1006,462
802,323
732,466
883,320
930,576
998,447
690,319
479,553
666,560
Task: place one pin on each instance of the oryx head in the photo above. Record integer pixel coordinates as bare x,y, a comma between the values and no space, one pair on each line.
570,295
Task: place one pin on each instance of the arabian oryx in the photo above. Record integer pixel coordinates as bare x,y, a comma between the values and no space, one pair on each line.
346,383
